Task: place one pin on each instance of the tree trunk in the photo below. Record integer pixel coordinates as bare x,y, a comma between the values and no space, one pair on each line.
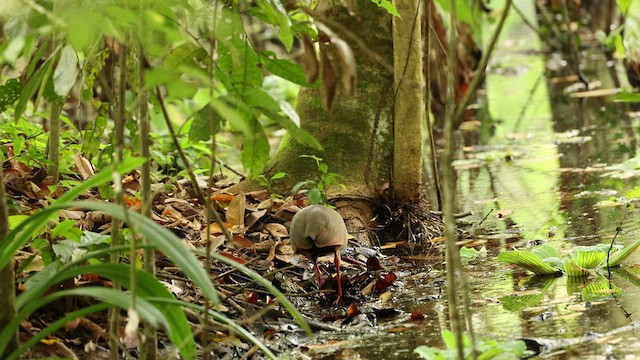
356,133
409,106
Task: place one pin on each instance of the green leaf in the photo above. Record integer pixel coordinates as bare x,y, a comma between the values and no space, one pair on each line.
238,65
64,249
66,72
32,86
387,5
315,196
255,150
574,270
624,6
89,238
470,254
619,256
200,129
589,258
147,287
528,261
224,320
545,252
285,69
633,193
625,96
24,230
9,93
257,98
269,286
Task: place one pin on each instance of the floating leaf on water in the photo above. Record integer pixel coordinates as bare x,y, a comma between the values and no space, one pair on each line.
619,256
588,259
574,270
529,261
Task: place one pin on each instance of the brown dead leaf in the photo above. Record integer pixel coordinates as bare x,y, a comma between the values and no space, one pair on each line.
259,195
265,245
171,213
353,310
266,204
278,231
329,77
386,296
242,241
234,258
236,209
309,60
347,60
254,216
85,169
393,245
368,290
216,240
398,329
214,228
417,315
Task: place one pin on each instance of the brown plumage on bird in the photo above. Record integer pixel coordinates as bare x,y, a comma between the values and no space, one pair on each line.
316,231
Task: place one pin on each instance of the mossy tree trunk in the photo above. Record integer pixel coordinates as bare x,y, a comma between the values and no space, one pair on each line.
409,104
357,132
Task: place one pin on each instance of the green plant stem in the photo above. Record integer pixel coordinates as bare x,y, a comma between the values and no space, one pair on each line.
149,347
449,185
114,314
53,156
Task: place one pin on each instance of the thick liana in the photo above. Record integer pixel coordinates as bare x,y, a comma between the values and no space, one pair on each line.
316,231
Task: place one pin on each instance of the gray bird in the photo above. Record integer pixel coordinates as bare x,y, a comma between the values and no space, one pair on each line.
316,231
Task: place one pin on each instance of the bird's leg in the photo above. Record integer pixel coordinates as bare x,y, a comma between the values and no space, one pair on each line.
318,276
336,261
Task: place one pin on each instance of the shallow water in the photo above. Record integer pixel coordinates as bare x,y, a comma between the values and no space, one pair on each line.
544,166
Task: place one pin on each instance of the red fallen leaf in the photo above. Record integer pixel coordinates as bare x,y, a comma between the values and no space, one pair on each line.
89,277
253,298
132,201
352,310
234,258
417,315
242,241
373,264
222,197
383,282
333,317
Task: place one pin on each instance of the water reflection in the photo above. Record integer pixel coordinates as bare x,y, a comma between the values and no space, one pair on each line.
542,167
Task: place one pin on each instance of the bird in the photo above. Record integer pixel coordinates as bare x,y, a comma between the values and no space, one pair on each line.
317,230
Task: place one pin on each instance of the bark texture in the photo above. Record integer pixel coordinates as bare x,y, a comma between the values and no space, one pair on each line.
409,111
356,133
